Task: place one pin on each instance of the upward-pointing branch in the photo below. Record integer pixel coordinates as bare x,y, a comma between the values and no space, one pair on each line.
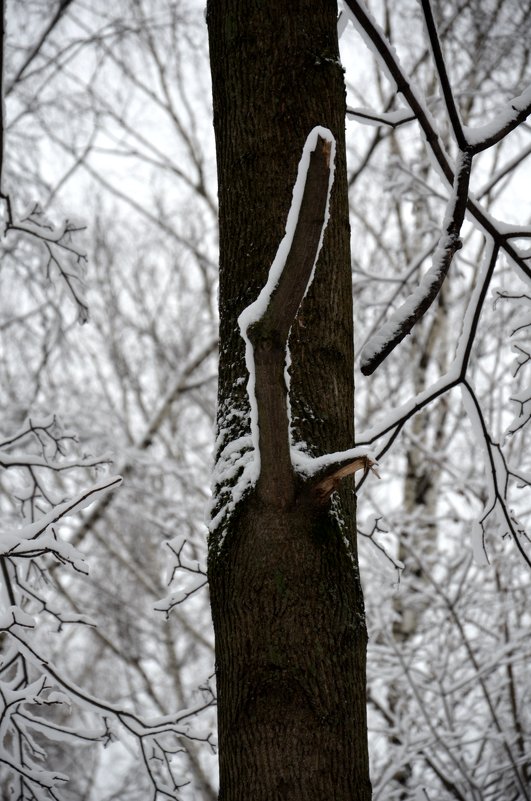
266,323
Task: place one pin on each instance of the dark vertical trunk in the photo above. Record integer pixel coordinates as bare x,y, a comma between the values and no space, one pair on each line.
286,598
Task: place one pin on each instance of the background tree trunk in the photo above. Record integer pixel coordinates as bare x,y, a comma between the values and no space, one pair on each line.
285,592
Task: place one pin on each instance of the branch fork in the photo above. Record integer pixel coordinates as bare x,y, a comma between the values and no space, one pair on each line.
266,323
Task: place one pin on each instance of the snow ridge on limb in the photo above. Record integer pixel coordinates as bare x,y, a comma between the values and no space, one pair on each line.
265,327
157,737
266,323
40,537
402,321
506,120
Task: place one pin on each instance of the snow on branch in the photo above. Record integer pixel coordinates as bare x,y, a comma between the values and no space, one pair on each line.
402,321
40,537
38,468
395,419
30,684
373,443
42,447
266,323
506,120
499,238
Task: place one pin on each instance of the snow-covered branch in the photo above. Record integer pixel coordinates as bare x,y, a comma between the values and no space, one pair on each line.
40,538
156,738
31,684
507,119
20,692
394,420
402,321
266,323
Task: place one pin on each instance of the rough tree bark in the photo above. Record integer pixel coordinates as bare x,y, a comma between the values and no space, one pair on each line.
286,598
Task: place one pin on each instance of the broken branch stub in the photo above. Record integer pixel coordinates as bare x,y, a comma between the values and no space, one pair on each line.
327,485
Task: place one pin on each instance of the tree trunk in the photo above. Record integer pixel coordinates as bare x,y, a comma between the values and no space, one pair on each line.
286,598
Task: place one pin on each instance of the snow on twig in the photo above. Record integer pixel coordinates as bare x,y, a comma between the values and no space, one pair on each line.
506,120
41,538
43,691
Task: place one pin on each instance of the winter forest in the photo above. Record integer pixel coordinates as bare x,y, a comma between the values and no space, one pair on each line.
165,462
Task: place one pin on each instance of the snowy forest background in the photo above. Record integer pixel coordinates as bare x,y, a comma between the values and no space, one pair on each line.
109,204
